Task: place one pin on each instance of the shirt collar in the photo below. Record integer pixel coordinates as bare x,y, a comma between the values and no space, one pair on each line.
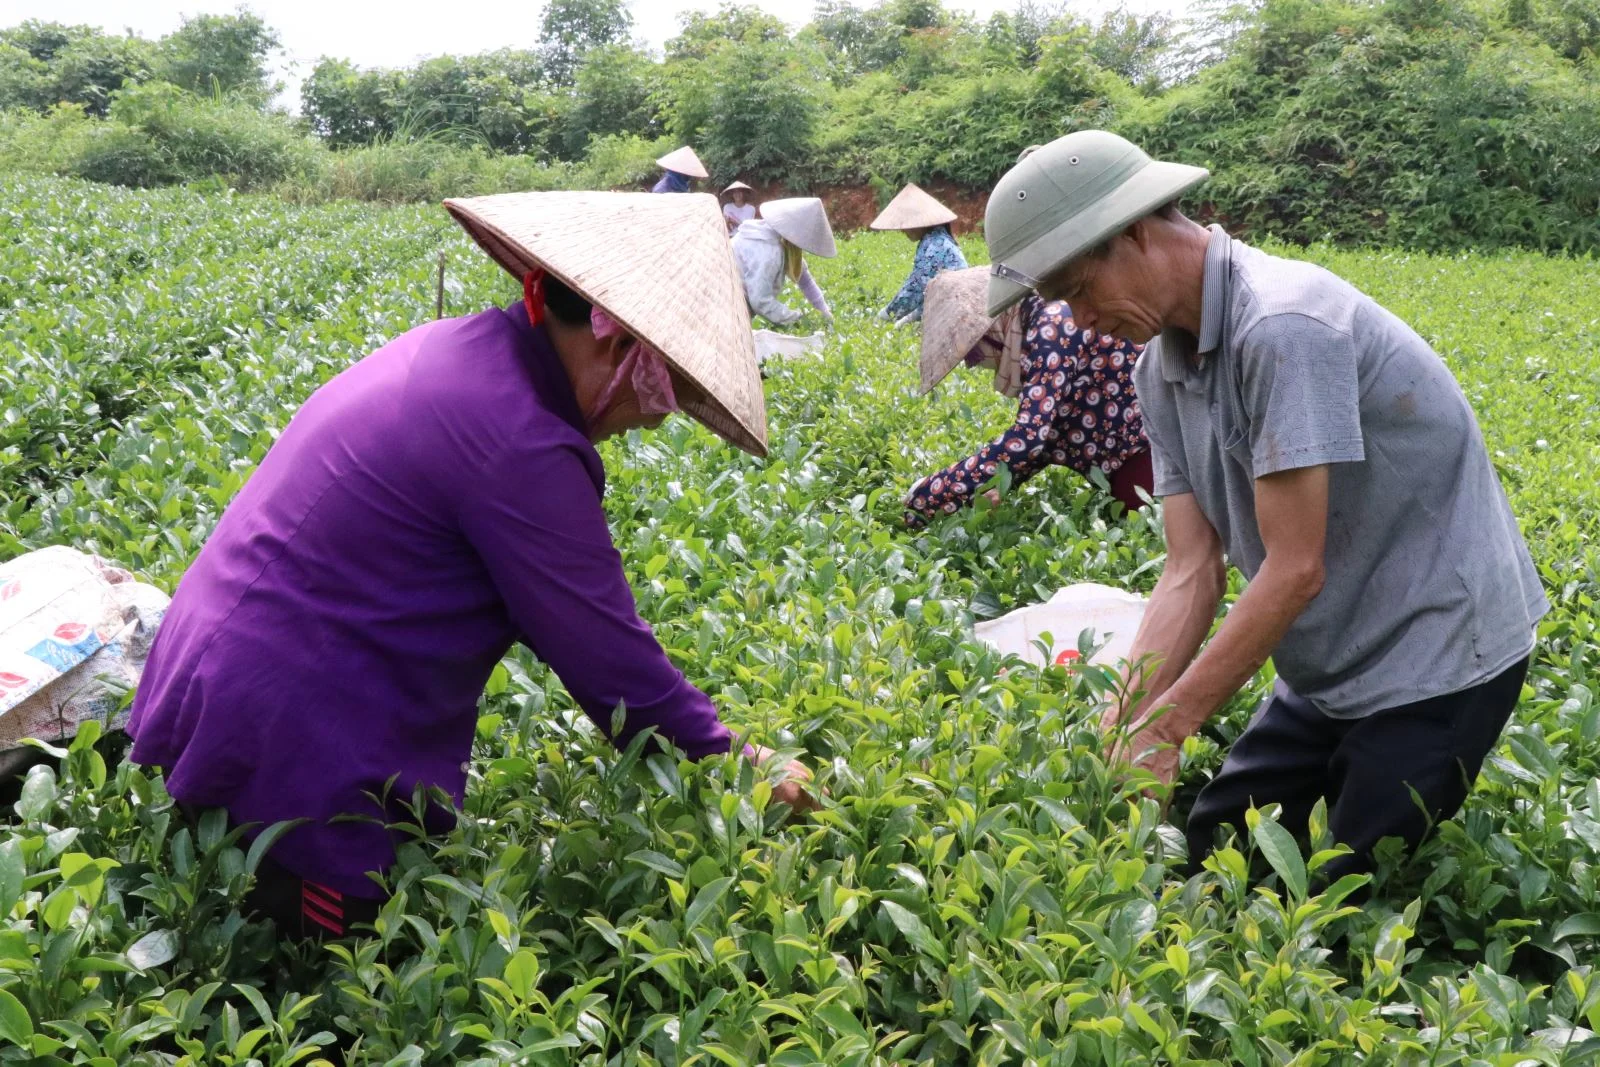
1179,347
1214,289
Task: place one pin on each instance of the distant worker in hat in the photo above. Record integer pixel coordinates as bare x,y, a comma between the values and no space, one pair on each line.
678,169
738,210
1077,407
426,509
927,222
1309,437
770,251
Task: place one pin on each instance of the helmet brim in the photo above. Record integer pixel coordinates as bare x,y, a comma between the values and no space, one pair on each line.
1157,183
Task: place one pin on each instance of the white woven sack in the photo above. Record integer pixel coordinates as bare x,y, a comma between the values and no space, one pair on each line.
1112,616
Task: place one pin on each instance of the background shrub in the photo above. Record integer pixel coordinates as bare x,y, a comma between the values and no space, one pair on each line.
1437,124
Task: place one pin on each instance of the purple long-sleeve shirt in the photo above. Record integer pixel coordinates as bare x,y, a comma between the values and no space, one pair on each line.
427,508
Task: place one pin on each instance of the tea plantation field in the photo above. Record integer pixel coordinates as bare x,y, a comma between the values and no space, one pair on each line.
978,890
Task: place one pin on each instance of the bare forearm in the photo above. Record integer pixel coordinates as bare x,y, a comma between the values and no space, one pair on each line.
1253,628
1177,620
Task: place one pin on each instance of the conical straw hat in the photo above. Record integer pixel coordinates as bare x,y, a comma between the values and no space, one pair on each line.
954,319
913,209
683,161
803,221
737,185
661,266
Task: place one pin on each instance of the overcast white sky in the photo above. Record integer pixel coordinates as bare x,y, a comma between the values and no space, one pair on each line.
399,32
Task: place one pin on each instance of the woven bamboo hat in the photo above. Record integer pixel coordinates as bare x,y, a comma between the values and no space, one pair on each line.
735,187
954,319
661,266
683,161
913,209
803,221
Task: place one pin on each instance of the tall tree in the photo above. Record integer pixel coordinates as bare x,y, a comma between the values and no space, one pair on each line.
1139,48
46,63
572,27
704,33
348,106
226,53
617,91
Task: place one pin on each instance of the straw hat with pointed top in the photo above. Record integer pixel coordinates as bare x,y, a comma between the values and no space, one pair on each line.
913,209
735,187
803,221
683,161
661,266
954,319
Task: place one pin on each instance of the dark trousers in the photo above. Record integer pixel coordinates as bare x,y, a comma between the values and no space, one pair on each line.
1292,754
1136,473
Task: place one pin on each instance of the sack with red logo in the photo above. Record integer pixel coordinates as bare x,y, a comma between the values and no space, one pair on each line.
1099,617
74,633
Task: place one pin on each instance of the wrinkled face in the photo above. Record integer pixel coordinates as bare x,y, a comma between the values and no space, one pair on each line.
1115,293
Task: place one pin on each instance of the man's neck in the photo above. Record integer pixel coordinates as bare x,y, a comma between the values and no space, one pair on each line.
1186,260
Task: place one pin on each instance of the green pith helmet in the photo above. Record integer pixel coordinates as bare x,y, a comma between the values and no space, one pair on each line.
1063,198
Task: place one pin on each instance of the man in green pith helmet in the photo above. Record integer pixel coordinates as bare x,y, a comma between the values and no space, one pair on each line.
1307,436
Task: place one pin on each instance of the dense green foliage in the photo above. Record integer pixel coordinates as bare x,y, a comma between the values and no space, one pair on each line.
979,888
43,64
1430,123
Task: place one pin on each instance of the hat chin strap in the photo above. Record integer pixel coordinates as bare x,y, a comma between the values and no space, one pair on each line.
1012,274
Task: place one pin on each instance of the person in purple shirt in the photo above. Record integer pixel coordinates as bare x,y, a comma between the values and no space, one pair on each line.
426,509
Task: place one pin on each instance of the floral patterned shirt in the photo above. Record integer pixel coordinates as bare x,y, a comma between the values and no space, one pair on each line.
937,251
1078,410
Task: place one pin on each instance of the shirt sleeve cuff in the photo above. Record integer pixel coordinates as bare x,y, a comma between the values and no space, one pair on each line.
1345,450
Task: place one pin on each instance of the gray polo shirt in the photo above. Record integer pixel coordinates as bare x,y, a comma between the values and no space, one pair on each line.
1429,586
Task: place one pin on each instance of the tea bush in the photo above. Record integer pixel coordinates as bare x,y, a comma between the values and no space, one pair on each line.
978,889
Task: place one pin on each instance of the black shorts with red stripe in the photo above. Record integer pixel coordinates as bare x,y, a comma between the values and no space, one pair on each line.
304,909
300,909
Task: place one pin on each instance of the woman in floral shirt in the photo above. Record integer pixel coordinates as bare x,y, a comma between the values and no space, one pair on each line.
1078,407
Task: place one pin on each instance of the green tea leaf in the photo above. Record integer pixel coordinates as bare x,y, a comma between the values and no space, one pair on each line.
914,930
15,1024
155,949
703,902
12,874
1584,925
1278,846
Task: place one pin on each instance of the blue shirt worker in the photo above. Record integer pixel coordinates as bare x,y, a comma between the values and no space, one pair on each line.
927,222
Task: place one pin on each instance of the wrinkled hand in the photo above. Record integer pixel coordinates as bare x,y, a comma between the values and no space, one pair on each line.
1147,745
992,496
1163,763
792,790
